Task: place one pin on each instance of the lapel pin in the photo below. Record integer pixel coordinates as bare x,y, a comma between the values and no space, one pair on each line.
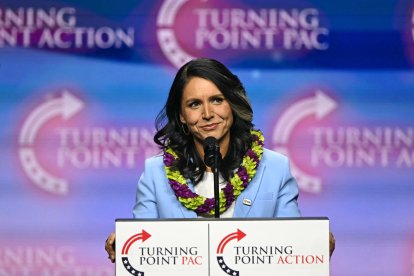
247,202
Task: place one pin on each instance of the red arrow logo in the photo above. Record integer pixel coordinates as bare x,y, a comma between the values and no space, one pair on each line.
140,236
236,235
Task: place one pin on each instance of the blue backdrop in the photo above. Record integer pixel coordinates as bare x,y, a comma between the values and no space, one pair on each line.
81,82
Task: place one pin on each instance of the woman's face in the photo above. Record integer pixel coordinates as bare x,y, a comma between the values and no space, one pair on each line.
206,113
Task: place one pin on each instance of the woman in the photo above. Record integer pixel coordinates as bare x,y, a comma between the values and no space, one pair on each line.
206,99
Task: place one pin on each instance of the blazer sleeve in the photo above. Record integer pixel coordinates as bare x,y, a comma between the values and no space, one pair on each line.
145,201
287,204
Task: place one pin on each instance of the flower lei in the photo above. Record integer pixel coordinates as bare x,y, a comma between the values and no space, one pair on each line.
238,182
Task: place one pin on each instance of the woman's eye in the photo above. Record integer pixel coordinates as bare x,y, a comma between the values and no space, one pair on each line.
218,100
193,104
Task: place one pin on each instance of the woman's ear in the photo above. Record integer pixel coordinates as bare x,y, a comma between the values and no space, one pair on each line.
182,120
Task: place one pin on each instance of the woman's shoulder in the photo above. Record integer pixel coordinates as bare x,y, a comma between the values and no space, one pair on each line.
155,161
270,156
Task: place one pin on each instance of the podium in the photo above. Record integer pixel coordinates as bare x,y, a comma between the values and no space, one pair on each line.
220,247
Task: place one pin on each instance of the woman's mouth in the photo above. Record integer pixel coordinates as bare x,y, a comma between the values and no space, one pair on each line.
209,127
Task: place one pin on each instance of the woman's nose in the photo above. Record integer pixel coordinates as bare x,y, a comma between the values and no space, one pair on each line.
207,112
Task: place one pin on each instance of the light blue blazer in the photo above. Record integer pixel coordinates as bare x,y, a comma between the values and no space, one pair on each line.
273,192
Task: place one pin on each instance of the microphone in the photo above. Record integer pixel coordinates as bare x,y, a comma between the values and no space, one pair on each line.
212,158
211,151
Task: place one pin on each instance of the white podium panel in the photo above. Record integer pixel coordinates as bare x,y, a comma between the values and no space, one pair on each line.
236,247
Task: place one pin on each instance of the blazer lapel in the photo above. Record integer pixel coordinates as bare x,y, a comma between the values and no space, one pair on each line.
246,199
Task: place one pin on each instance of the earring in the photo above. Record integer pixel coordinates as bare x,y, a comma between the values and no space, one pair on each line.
183,128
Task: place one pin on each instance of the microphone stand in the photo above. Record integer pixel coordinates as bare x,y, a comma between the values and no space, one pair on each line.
212,159
216,184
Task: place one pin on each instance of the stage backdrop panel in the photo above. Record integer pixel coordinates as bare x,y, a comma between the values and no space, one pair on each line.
81,83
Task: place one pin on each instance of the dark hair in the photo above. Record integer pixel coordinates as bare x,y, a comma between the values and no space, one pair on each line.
170,132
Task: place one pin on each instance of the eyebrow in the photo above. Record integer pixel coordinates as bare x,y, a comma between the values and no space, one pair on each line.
212,96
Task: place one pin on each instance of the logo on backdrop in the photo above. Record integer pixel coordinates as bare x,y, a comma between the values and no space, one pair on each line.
24,258
65,107
411,36
412,263
190,28
406,14
57,28
43,149
318,106
412,25
313,143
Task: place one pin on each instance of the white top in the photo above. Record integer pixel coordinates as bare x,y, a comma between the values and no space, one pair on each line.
206,188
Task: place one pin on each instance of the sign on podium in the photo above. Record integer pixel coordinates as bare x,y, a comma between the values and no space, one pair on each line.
283,246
